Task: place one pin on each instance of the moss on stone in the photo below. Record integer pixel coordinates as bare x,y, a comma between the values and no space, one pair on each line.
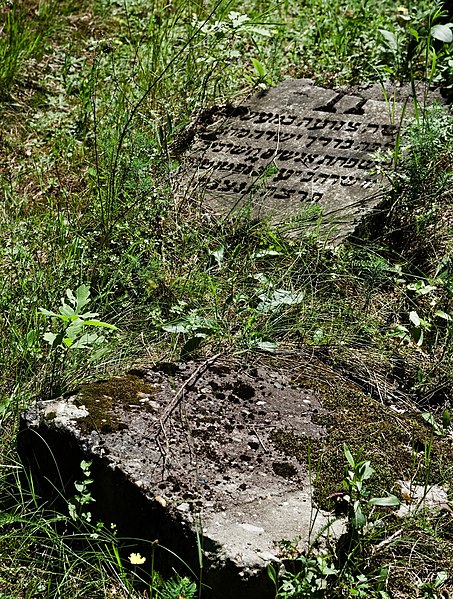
398,445
284,469
291,444
107,400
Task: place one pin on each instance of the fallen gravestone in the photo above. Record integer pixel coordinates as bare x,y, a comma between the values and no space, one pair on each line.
298,151
212,460
189,451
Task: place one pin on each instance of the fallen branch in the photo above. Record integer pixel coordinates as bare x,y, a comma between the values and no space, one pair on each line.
180,393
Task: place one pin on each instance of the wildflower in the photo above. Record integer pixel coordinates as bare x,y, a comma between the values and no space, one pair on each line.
137,559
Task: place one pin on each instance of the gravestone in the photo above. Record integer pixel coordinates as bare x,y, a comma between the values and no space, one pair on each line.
298,151
201,465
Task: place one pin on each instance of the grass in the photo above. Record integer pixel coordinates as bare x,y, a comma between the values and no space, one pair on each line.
98,100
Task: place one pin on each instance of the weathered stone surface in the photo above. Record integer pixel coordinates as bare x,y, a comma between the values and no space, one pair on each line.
192,448
218,451
296,147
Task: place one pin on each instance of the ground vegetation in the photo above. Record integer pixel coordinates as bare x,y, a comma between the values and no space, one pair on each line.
98,101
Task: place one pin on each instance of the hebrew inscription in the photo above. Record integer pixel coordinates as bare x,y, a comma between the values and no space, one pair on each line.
293,147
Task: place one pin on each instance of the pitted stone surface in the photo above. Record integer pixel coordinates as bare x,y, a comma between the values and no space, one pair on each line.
212,465
295,147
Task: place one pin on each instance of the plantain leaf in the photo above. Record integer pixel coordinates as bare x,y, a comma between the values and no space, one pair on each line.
442,32
391,500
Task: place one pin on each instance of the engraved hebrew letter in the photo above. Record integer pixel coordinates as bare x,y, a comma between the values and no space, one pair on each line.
373,126
288,120
365,164
351,163
348,181
325,141
318,124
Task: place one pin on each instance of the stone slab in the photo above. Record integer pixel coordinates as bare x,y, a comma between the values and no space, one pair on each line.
211,467
298,151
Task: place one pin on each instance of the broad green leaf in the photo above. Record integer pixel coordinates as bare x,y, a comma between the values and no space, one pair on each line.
442,32
318,336
179,326
238,19
348,455
414,318
425,289
218,255
368,471
266,346
272,573
264,253
192,323
446,418
442,314
85,341
421,288
391,500
47,312
390,38
31,338
359,519
67,312
71,297
86,315
82,295
49,337
328,570
276,299
259,31
98,323
399,328
441,577
429,418
98,353
74,329
415,34
259,68
417,334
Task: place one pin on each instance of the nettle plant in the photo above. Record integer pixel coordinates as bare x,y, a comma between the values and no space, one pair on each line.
75,329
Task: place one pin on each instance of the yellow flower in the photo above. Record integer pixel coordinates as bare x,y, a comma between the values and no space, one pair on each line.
137,559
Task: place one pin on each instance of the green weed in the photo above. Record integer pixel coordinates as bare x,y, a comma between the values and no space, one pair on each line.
75,332
359,563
